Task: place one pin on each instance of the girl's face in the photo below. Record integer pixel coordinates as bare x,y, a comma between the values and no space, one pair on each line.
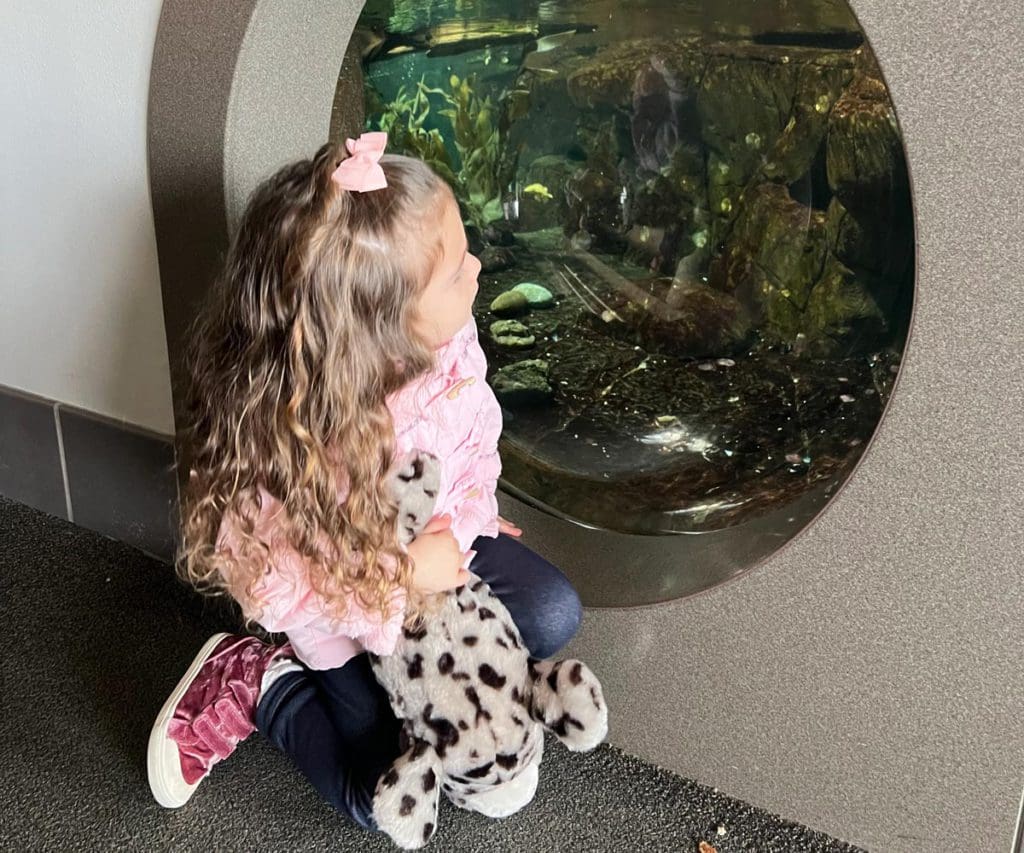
445,305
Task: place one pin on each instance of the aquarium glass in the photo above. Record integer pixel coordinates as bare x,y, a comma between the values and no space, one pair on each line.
696,233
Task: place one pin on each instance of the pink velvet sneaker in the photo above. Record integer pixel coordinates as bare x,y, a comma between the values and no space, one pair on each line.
208,714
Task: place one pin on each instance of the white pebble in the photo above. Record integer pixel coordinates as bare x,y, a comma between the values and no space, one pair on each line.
726,362
847,398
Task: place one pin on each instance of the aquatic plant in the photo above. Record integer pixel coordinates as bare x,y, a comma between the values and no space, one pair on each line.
479,130
403,119
478,141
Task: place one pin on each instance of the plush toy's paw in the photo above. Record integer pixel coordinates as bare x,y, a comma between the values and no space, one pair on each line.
414,484
567,699
405,803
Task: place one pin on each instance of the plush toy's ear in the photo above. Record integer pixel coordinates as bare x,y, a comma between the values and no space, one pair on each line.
567,699
405,803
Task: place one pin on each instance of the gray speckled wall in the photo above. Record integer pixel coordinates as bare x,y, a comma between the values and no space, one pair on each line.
867,680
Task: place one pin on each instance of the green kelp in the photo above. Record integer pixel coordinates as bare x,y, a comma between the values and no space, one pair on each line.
479,128
403,120
486,167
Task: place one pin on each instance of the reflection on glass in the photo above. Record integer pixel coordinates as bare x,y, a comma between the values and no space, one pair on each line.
696,235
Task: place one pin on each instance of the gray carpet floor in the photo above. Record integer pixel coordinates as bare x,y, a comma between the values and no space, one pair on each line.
95,636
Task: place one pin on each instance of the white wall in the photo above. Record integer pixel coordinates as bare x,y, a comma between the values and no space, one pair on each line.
80,311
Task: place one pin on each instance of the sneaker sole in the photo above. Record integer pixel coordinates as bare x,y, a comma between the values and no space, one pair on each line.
163,765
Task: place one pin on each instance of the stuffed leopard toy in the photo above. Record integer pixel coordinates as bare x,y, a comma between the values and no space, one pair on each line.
474,704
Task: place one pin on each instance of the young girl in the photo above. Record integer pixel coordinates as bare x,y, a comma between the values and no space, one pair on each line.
339,337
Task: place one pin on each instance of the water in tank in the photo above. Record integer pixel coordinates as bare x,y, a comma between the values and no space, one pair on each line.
696,232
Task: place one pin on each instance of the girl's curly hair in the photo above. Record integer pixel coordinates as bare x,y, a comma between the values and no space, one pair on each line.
303,336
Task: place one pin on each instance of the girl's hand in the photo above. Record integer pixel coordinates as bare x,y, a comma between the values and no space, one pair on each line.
508,528
437,560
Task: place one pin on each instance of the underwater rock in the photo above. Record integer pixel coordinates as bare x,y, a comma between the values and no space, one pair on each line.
751,105
594,207
842,317
758,109
819,84
537,295
773,259
512,334
870,221
850,241
838,207
602,147
608,78
748,93
499,233
702,322
779,263
524,383
496,258
880,257
511,303
764,111
865,155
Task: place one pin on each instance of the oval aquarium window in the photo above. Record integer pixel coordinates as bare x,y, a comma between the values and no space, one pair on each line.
696,233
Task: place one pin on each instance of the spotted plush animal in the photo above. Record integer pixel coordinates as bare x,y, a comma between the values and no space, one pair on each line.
474,704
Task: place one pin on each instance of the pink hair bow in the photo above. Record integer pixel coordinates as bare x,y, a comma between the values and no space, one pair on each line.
362,171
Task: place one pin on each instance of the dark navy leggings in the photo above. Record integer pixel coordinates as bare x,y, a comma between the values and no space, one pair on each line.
337,724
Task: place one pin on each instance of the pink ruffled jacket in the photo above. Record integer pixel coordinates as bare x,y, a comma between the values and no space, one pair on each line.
450,412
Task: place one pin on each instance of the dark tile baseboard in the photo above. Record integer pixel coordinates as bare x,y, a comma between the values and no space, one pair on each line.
111,477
